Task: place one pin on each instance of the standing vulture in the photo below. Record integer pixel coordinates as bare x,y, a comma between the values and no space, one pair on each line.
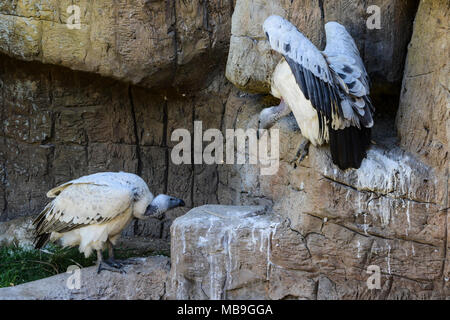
90,212
328,91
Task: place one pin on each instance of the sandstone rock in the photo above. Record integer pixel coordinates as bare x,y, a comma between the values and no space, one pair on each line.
58,125
241,253
221,252
251,62
390,213
144,281
423,117
17,232
151,43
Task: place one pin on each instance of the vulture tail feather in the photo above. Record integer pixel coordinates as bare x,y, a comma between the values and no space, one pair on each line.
349,146
41,240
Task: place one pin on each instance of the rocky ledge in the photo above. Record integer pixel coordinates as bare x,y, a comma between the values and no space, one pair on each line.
144,280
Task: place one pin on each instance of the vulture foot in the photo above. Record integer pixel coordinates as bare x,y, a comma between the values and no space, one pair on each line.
112,266
302,152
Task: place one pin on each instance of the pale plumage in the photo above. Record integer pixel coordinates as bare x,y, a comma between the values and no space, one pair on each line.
327,91
90,212
307,117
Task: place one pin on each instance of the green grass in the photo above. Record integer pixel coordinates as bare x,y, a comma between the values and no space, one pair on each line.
19,265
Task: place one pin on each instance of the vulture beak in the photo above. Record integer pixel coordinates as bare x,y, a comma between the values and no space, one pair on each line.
175,203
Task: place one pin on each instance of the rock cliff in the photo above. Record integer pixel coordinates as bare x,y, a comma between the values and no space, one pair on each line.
109,95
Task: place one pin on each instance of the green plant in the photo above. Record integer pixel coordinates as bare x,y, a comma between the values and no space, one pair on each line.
19,265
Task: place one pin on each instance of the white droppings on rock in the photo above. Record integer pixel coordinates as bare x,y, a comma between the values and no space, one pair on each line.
384,174
388,258
358,246
408,218
211,234
365,225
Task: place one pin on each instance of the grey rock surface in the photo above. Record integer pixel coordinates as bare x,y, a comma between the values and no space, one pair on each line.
143,281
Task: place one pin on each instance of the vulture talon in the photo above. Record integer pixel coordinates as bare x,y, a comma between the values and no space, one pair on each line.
302,152
114,263
104,265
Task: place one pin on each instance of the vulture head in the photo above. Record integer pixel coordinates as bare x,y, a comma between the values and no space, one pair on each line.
161,204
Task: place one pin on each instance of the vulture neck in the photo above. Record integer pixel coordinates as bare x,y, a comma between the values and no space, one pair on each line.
153,210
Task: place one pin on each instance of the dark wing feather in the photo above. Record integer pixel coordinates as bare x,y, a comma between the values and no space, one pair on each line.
309,67
350,73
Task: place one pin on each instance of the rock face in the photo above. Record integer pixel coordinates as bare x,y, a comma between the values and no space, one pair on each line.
58,125
221,252
422,120
150,43
251,62
143,281
310,231
390,213
18,232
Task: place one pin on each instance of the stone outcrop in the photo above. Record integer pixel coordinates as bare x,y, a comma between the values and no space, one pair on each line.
144,280
393,212
221,252
422,120
17,232
150,43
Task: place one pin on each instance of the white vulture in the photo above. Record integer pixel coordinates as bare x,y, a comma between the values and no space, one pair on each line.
90,212
327,91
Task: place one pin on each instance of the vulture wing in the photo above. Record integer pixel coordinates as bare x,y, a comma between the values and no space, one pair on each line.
348,70
309,68
93,199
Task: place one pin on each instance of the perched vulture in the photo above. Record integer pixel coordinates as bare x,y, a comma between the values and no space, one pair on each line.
90,212
327,91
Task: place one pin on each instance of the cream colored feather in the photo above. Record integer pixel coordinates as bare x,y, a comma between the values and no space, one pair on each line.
93,209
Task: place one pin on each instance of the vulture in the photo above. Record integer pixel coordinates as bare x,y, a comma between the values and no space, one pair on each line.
327,91
90,212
